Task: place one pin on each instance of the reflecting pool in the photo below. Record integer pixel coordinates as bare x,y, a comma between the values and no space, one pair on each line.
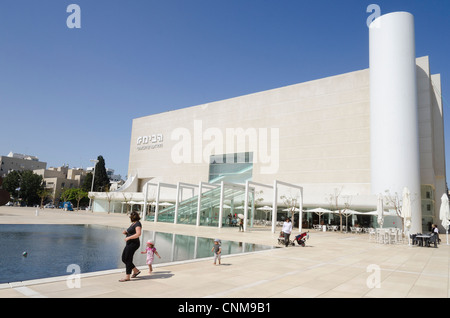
50,249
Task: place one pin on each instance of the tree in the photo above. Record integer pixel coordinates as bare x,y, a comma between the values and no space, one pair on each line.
101,179
66,194
4,195
80,195
291,203
127,199
396,202
44,194
74,194
334,203
11,183
87,182
24,185
109,197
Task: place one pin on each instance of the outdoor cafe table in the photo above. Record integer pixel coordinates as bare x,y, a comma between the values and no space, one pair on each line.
422,238
333,228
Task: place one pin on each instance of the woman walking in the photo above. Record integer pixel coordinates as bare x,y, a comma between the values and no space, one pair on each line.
132,235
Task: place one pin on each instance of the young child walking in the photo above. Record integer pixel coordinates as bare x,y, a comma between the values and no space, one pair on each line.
150,251
217,250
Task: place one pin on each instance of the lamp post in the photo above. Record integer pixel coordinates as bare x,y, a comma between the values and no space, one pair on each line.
92,185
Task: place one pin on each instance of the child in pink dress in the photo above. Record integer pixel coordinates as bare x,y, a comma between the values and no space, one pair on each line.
150,251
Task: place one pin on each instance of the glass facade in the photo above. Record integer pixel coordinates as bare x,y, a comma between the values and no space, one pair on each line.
235,168
233,204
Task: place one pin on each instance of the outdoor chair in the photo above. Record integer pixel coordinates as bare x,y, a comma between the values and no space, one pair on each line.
372,234
399,236
414,240
382,236
392,235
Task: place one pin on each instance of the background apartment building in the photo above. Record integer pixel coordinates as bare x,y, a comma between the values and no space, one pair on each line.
60,178
19,162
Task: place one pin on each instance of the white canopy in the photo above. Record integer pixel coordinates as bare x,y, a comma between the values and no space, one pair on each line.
319,210
347,212
135,202
444,213
266,208
295,209
165,204
406,207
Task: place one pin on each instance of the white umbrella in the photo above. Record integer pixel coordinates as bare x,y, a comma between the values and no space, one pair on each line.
347,212
372,213
406,210
136,202
319,211
444,213
380,218
265,208
165,204
290,209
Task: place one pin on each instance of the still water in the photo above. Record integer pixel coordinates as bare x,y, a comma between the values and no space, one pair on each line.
52,248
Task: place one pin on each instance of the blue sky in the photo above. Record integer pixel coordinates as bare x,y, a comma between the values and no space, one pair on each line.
69,95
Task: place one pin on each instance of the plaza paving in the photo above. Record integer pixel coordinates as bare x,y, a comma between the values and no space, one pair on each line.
332,265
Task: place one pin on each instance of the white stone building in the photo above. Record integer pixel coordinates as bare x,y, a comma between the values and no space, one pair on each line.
321,135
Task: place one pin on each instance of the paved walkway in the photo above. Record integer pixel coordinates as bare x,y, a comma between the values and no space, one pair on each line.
331,265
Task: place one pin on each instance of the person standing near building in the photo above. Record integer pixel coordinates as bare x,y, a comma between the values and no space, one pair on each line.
217,250
287,229
435,231
241,224
132,244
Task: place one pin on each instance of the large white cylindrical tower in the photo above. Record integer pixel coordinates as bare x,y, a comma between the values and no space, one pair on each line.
395,157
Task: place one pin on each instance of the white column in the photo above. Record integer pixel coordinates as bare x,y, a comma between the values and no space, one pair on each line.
246,206
158,191
177,203
275,205
300,216
395,157
144,210
195,247
199,203
253,209
221,204
172,254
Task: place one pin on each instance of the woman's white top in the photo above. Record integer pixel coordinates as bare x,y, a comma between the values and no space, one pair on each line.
287,227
